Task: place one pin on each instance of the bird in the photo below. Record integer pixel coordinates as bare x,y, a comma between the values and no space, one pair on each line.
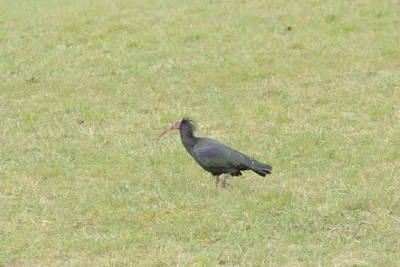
214,156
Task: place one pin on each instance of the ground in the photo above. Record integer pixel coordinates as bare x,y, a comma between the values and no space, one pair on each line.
310,87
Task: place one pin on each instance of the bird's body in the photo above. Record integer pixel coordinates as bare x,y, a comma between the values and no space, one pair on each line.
214,156
217,158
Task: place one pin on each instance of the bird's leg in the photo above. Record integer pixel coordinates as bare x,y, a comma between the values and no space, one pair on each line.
224,182
216,180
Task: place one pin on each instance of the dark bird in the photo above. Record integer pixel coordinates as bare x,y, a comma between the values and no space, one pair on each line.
213,156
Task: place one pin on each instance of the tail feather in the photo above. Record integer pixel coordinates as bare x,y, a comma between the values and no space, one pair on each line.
261,168
248,163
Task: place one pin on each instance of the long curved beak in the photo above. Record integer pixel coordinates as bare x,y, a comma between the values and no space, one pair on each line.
173,126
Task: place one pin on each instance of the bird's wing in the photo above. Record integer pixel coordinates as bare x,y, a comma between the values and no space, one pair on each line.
214,154
212,157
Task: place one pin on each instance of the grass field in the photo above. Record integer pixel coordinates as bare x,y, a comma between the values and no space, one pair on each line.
310,87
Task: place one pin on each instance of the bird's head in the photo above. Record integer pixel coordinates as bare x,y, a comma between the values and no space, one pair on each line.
185,124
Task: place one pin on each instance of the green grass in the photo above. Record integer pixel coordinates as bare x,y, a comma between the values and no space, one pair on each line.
320,103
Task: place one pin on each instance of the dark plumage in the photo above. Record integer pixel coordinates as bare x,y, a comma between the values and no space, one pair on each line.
214,156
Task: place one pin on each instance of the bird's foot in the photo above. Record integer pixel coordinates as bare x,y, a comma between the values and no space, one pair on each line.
224,183
216,181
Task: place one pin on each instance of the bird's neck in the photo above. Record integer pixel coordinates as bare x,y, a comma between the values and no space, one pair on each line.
188,139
